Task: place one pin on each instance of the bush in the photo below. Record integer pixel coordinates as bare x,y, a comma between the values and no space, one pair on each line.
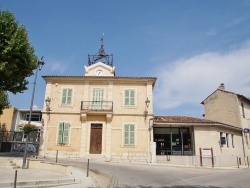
27,128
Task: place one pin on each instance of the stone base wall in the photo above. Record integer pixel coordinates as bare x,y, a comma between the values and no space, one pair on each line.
131,156
219,161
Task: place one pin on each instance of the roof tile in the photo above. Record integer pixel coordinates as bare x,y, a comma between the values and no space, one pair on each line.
180,119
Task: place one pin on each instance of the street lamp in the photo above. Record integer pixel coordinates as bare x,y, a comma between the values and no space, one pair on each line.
40,64
47,102
147,102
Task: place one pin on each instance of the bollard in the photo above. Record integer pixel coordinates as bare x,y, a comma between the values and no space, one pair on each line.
56,155
88,168
247,162
15,179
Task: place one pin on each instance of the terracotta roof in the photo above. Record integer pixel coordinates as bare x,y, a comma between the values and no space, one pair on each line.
239,95
181,119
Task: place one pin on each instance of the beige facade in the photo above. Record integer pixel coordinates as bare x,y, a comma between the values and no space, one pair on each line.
229,108
105,116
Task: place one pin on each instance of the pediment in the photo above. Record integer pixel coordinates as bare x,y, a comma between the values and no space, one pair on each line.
99,69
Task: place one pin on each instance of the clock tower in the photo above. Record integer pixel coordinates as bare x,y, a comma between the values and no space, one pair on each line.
100,64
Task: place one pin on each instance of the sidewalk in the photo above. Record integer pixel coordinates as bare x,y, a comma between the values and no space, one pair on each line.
42,178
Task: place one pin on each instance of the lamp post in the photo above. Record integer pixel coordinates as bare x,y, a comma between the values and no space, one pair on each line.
147,102
40,64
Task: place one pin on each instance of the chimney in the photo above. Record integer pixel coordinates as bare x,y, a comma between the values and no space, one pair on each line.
222,86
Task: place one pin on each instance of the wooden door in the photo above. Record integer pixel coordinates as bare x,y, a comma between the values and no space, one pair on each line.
96,139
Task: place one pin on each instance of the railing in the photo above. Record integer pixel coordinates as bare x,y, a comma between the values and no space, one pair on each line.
97,106
18,136
15,141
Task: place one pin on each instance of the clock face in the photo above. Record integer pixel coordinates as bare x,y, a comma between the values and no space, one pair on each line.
99,72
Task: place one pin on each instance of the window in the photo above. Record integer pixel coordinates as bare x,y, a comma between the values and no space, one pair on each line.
97,98
227,140
232,137
34,117
222,139
243,112
66,96
129,98
63,133
129,134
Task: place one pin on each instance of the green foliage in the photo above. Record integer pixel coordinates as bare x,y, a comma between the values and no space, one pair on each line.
17,59
4,101
2,127
4,134
27,128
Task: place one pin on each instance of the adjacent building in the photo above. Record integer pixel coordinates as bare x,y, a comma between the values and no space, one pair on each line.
12,136
189,141
232,109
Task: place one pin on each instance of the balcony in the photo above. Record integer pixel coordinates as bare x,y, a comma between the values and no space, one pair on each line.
96,106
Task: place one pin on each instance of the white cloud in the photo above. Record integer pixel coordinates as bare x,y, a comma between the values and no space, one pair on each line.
189,81
35,107
58,67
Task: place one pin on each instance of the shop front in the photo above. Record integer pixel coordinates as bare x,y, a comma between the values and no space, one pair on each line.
173,140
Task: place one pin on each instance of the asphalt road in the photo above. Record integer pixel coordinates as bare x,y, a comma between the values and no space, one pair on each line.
136,175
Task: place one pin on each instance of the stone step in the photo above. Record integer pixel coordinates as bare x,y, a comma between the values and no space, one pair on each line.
40,183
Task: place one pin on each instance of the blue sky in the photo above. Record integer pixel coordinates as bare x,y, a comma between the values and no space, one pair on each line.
191,46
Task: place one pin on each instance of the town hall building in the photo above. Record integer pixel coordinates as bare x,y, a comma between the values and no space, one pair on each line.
99,114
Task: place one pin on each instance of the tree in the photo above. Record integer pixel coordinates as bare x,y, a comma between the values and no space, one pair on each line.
17,58
4,101
27,128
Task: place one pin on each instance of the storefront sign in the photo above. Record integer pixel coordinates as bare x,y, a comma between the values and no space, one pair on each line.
206,152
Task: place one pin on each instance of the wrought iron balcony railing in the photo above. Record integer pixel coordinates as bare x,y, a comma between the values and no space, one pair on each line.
97,106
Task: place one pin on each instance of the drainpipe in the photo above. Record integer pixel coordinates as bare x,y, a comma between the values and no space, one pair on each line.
149,130
182,152
171,140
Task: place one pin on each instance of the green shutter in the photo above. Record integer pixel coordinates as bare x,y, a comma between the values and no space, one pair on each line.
132,135
64,96
66,133
132,97
129,134
126,97
60,134
129,97
97,98
69,97
126,134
